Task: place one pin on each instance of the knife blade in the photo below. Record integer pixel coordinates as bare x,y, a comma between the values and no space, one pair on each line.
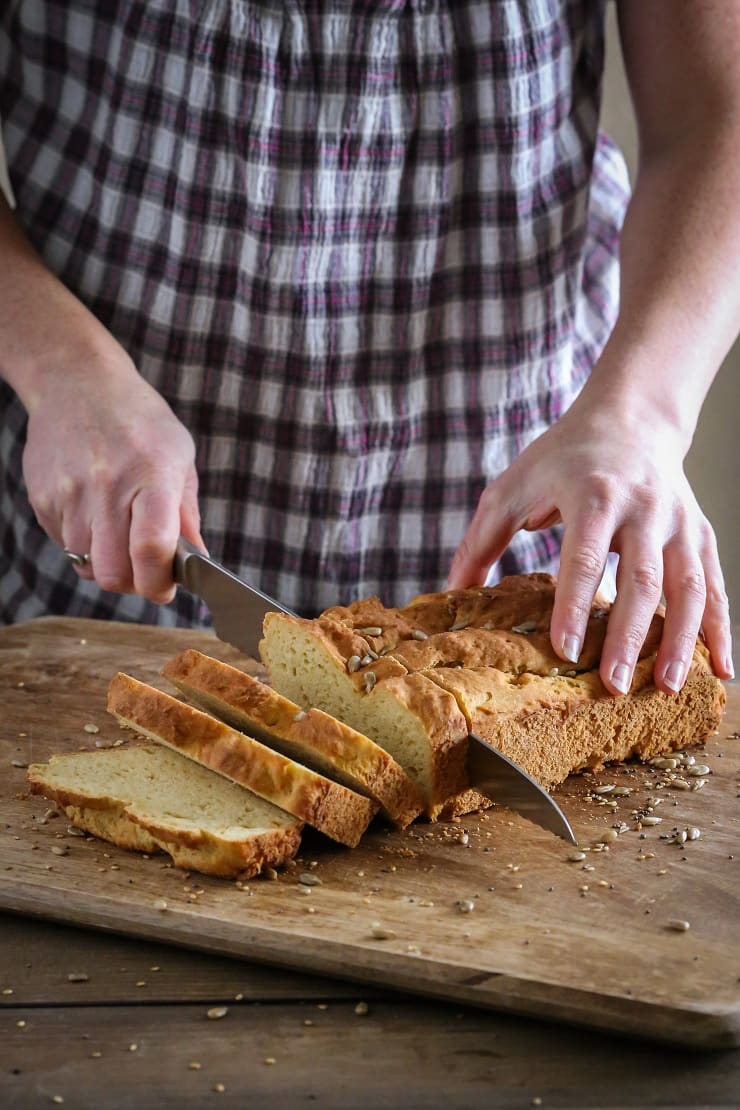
505,782
238,610
236,607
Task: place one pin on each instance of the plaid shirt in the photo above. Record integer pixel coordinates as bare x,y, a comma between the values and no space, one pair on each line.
366,249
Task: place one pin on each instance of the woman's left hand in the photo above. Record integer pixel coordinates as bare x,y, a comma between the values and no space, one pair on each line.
616,481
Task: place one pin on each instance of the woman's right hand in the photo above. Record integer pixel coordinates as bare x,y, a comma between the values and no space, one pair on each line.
110,470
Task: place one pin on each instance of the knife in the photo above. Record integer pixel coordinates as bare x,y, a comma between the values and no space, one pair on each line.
506,783
238,610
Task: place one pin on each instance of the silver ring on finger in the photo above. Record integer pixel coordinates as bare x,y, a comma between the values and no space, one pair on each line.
77,559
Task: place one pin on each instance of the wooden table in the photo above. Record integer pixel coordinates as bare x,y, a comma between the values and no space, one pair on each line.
93,1020
100,1021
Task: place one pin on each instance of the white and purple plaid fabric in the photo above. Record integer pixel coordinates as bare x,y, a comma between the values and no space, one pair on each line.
366,249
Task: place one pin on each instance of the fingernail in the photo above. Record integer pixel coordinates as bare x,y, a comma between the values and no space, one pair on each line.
729,669
621,677
673,676
571,648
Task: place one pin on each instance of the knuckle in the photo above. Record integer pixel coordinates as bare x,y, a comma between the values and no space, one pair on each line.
112,581
691,584
587,561
646,578
151,550
716,597
632,639
602,492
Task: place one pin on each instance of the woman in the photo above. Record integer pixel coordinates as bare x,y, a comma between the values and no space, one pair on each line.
349,269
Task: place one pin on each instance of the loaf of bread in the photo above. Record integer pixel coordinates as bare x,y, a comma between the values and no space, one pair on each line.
417,680
311,737
150,798
331,808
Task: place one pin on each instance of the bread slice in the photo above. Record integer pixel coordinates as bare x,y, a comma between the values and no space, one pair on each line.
149,798
328,806
487,649
312,737
413,718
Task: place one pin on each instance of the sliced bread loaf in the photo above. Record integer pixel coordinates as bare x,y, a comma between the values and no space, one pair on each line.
150,798
487,650
330,807
310,736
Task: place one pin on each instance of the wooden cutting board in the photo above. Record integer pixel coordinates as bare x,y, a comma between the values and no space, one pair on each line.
587,942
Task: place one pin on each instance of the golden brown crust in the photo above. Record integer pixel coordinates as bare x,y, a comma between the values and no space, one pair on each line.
330,807
488,648
311,736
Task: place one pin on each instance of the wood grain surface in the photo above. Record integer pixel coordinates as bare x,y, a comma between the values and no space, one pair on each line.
584,942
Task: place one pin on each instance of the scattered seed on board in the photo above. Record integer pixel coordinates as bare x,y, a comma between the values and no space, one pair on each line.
698,783
308,879
693,833
361,1009
609,836
160,904
78,977
465,905
91,728
621,791
378,932
59,850
217,1012
679,784
664,763
650,820
18,763
698,770
678,925
576,857
606,789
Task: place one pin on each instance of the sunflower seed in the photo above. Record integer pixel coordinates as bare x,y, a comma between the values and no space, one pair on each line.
621,791
698,770
693,833
525,627
378,932
300,715
459,626
465,905
650,820
370,680
576,857
353,663
606,789
698,783
419,634
371,630
217,1012
678,925
679,784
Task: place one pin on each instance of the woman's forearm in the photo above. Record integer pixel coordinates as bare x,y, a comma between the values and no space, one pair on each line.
43,326
680,285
